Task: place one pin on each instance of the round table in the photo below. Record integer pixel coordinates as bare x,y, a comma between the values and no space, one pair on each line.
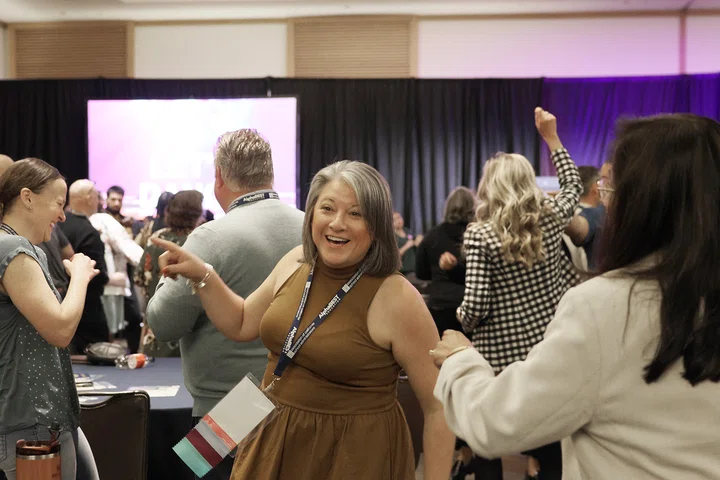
170,417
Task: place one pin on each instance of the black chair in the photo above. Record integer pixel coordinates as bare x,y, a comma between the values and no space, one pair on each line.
117,429
413,414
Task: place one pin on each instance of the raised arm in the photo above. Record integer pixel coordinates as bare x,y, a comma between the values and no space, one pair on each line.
27,287
237,318
565,201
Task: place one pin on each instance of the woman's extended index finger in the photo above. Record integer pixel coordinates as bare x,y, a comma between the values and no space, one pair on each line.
166,245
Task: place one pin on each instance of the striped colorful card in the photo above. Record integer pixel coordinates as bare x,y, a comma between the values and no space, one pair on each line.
220,431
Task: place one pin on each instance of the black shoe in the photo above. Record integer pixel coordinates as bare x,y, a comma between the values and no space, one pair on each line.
533,477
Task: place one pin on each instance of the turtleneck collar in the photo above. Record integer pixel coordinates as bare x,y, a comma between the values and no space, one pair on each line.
341,273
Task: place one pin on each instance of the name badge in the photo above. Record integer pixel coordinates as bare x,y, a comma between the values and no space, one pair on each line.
236,419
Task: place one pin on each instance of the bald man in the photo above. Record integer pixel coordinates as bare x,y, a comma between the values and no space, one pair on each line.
5,162
82,202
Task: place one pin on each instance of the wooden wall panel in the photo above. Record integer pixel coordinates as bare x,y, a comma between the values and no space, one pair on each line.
71,50
352,47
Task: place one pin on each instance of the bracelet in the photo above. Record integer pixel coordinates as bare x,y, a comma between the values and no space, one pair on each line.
456,350
195,286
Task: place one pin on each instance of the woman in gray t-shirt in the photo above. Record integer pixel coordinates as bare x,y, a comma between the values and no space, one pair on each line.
37,389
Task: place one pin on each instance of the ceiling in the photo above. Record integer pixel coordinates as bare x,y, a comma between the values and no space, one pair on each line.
149,10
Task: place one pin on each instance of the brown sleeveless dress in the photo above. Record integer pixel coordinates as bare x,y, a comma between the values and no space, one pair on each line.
340,417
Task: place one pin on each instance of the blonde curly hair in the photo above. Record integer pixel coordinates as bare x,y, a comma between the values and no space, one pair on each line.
510,201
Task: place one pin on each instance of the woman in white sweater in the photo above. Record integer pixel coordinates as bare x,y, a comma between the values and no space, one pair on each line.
629,367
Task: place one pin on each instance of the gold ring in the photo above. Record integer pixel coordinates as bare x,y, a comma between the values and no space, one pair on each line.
432,352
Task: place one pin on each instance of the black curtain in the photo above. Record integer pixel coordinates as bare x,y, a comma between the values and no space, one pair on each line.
425,136
48,118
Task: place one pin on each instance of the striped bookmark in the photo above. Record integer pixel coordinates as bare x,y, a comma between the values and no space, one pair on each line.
235,417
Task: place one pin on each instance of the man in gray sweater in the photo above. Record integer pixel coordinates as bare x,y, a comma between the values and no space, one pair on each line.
243,247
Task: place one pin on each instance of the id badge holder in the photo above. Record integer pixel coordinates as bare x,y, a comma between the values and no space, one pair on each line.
233,422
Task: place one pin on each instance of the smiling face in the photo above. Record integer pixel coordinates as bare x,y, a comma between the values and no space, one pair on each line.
50,203
339,230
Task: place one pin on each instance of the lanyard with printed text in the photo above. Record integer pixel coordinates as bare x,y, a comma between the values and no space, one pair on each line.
252,198
289,350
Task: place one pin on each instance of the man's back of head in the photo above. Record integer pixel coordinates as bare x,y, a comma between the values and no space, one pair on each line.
5,162
244,159
78,196
589,176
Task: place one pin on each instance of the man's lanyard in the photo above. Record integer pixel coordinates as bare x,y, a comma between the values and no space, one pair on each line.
289,350
252,198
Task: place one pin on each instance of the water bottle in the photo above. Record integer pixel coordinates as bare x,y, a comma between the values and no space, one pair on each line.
133,361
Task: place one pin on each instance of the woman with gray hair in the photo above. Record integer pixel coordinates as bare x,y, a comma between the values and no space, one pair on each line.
340,415
447,283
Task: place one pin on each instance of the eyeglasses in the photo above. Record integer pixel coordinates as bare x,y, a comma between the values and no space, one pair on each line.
604,188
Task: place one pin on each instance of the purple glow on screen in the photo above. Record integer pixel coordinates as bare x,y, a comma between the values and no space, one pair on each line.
151,146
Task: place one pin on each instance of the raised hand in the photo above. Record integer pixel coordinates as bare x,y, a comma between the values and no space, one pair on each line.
546,125
81,267
448,261
178,261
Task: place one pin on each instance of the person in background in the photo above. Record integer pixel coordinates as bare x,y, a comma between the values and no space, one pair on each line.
408,247
37,387
447,286
340,417
208,216
85,239
153,224
131,305
636,342
516,270
121,252
585,229
114,205
182,216
257,230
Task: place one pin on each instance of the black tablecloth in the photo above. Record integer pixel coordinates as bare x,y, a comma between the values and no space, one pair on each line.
170,417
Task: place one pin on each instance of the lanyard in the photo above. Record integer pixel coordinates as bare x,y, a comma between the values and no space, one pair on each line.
289,350
252,198
11,231
8,229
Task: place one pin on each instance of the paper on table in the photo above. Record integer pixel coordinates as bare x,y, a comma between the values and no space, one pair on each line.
159,390
96,386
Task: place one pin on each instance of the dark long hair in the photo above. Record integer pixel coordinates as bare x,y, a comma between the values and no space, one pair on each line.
666,174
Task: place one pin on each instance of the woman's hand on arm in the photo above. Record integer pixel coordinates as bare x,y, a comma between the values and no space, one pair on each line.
452,342
544,406
412,334
29,291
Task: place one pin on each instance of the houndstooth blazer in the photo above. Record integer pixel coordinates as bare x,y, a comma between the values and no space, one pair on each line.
507,306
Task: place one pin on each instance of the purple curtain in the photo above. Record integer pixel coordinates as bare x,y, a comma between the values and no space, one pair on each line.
587,109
